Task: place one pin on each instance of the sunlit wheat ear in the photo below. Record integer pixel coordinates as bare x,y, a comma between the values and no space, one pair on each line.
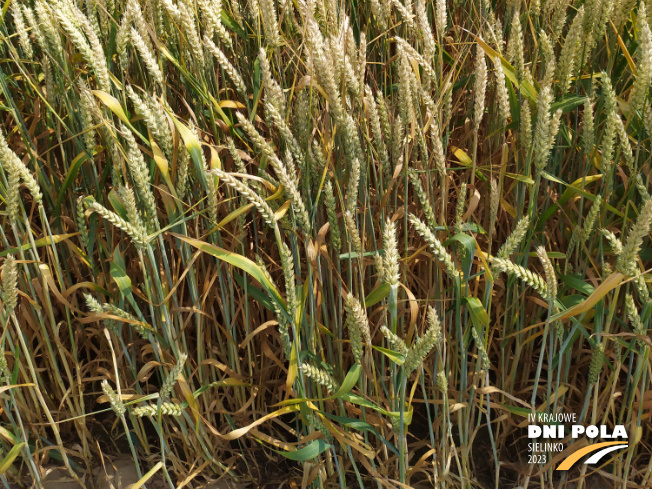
17,171
410,52
435,245
137,235
532,279
116,311
13,186
352,230
270,22
610,131
274,119
494,204
376,129
515,238
571,52
641,85
35,27
515,48
292,303
114,400
545,130
501,90
95,306
352,186
9,274
597,362
642,289
69,17
212,15
48,24
80,222
549,272
183,165
647,119
641,187
226,65
261,205
320,376
192,35
626,147
434,325
591,218
291,190
352,78
461,205
424,201
129,200
425,344
140,175
318,163
147,56
171,380
394,340
151,410
358,325
21,30
379,10
235,154
480,85
405,91
549,56
442,382
627,262
87,110
429,45
391,256
615,243
634,318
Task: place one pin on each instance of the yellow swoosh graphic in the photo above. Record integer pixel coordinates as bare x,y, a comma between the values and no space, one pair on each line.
570,461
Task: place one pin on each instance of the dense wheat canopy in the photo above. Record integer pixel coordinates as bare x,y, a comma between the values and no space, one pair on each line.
324,244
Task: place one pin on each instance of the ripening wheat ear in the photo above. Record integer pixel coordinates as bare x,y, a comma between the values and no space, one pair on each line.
390,272
358,326
480,85
17,171
151,410
226,65
137,234
549,271
422,347
627,261
171,379
21,29
9,284
320,376
435,245
534,280
116,402
571,52
641,85
597,362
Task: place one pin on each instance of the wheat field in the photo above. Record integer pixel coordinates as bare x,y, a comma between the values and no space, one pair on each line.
322,244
